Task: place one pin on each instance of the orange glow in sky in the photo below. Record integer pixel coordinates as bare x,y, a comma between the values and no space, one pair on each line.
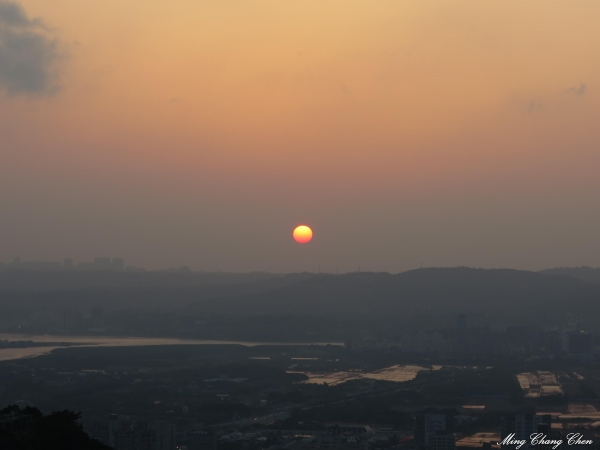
302,234
442,133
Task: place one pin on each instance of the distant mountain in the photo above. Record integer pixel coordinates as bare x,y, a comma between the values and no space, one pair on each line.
426,297
418,299
585,273
157,291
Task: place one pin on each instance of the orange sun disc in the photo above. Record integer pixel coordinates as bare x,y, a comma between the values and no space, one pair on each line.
302,234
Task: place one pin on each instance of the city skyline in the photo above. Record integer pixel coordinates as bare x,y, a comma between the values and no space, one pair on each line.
118,263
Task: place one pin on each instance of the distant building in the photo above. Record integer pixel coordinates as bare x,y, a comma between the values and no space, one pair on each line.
42,266
327,441
337,428
118,264
461,334
426,426
426,342
521,427
102,263
96,320
125,433
550,435
96,429
166,436
461,323
97,313
72,319
442,440
46,319
580,345
202,440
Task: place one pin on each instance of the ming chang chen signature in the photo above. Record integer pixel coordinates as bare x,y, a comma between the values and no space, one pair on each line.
542,439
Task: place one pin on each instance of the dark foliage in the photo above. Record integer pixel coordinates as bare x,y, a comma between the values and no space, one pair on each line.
34,431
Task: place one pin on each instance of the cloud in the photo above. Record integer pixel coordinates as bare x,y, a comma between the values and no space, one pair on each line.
29,53
578,90
536,105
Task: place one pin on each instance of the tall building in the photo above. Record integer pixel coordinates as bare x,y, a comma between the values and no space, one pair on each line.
96,429
580,345
551,439
125,433
97,313
96,320
118,264
461,335
165,435
71,319
202,440
426,426
337,428
102,264
442,440
521,427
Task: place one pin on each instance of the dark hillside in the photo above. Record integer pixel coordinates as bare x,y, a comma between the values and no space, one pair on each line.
587,274
493,296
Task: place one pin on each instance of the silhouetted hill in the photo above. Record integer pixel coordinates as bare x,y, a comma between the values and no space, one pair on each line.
423,298
156,291
426,296
588,274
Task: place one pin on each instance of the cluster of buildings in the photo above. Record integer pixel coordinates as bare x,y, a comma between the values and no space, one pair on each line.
431,433
530,431
461,342
4,343
328,436
125,433
524,430
570,341
69,319
99,264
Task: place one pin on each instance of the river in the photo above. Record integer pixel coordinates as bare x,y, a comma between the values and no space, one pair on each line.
112,341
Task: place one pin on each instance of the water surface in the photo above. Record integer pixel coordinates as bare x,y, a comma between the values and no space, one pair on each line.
112,341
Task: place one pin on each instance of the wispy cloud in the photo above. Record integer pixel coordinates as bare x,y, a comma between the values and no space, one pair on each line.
29,53
580,90
536,105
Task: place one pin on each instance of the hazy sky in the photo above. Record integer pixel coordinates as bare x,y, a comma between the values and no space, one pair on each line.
200,132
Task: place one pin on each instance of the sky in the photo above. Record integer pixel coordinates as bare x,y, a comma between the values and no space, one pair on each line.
201,132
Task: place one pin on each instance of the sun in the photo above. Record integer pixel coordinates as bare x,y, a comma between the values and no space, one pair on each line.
302,234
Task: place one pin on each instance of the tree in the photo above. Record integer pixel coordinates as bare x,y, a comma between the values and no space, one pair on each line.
31,430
